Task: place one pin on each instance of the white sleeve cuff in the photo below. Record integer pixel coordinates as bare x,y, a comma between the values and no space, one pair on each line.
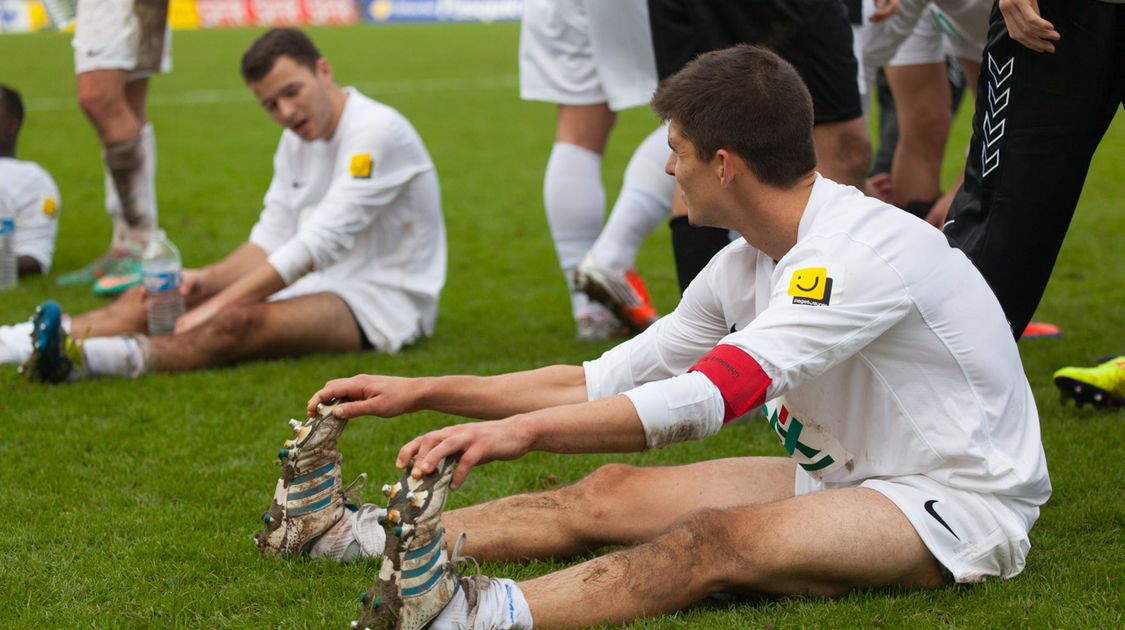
685,407
292,261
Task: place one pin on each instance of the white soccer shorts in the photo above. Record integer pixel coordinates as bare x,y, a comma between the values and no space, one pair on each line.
584,52
973,535
128,35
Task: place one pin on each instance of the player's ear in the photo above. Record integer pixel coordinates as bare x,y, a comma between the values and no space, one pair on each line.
323,69
724,166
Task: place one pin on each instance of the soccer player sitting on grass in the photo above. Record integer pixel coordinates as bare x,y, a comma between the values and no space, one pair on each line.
349,251
879,354
28,191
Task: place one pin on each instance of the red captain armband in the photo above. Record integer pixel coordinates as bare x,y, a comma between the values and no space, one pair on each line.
740,379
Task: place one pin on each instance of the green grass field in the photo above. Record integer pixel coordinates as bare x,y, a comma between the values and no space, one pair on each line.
132,503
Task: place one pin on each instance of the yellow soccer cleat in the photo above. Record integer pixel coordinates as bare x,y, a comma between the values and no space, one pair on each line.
1103,385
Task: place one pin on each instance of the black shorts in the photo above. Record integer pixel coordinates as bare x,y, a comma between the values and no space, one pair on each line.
813,35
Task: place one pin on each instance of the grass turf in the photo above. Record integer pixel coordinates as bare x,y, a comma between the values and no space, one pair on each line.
132,503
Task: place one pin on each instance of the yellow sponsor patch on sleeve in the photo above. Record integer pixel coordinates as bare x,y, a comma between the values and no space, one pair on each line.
809,283
360,166
811,286
50,206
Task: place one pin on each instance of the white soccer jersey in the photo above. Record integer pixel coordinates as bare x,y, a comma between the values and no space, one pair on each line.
360,216
882,349
30,192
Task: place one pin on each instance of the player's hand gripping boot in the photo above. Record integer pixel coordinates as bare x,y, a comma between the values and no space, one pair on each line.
309,498
416,580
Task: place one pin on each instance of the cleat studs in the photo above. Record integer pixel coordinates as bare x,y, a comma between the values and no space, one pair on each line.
377,603
363,598
394,517
398,531
283,453
266,518
354,625
289,443
387,489
381,519
294,423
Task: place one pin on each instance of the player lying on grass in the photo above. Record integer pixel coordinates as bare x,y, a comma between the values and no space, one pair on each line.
349,251
879,354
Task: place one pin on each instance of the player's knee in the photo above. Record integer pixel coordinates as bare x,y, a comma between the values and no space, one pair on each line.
596,497
98,102
232,324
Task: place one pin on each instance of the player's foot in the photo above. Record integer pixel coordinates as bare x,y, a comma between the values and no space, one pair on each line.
1041,330
598,327
1103,385
54,355
127,273
108,264
416,580
624,294
309,498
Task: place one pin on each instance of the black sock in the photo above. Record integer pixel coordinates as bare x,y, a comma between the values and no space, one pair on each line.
693,247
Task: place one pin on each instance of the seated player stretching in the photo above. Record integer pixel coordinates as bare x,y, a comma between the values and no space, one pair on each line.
879,354
349,251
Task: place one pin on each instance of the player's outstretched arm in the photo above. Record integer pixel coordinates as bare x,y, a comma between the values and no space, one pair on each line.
485,397
608,425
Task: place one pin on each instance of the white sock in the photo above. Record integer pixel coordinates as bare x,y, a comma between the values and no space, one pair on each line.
575,201
357,534
643,204
501,606
116,356
15,343
125,236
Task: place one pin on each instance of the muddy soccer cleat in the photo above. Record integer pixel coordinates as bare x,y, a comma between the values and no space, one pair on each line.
309,498
416,580
623,293
1102,386
54,355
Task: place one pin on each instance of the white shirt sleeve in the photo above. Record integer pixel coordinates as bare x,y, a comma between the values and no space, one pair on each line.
278,220
37,211
806,330
667,348
372,166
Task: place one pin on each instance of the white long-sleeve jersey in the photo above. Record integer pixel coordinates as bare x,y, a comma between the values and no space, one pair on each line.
881,349
360,215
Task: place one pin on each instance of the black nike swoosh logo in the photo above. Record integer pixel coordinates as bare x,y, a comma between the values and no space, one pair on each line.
929,505
733,329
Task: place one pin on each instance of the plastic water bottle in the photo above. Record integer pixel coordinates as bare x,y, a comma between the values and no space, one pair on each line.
9,272
160,264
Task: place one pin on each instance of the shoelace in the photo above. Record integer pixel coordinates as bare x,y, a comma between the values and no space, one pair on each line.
460,562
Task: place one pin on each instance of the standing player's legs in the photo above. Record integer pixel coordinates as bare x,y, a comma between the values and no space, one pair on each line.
1039,118
116,108
588,58
117,46
922,98
573,194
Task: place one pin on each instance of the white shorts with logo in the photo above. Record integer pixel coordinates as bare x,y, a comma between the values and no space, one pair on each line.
922,32
973,535
129,35
584,52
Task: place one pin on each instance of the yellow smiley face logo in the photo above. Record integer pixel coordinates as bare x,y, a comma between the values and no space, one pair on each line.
809,283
